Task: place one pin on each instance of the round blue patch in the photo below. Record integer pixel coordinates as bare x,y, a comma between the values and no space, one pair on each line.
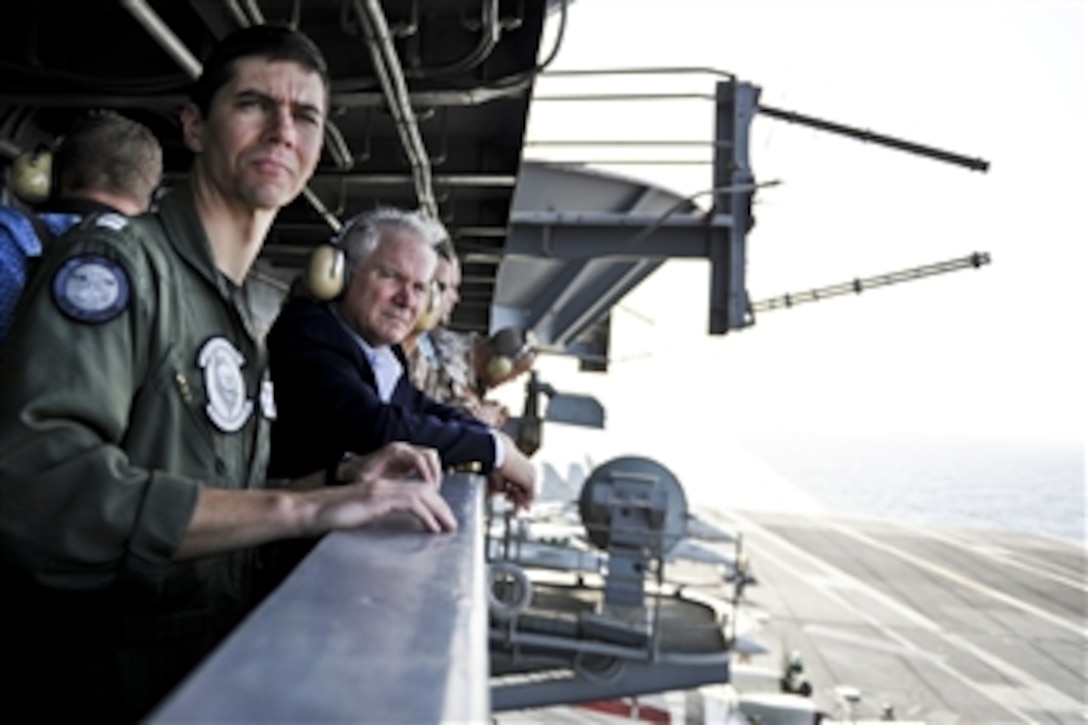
91,288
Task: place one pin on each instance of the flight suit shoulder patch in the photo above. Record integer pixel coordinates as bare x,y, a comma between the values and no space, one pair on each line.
91,288
111,220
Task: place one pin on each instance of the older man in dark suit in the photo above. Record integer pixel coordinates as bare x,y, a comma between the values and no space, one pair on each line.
340,375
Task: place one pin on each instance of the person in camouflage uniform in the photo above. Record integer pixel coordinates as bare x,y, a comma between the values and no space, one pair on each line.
451,366
446,357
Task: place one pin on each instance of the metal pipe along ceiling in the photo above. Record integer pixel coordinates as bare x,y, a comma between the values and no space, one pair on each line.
161,32
490,33
391,76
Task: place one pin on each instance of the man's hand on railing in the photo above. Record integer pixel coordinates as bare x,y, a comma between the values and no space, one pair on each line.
492,413
397,477
393,460
355,504
516,478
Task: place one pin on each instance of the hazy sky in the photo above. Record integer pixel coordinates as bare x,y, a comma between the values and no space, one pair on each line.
992,351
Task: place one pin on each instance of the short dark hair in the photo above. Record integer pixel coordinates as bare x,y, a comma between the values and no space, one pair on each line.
105,151
275,42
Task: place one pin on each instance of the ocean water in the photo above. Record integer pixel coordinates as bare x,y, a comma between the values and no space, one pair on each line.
1031,486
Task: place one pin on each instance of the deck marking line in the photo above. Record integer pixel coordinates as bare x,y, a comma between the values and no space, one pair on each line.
837,574
871,643
929,566
860,613
1010,560
907,643
1031,683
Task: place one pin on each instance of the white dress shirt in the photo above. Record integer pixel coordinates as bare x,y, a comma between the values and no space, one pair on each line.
387,371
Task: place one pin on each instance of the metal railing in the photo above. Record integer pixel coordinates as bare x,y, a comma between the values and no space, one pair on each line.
385,624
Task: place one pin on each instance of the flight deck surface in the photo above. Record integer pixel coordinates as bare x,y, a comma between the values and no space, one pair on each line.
943,625
922,623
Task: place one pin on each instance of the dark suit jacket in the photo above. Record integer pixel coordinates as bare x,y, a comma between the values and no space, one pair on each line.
327,401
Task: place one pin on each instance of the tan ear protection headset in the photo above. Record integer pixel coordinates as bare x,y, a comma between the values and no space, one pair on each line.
432,310
325,272
32,175
498,367
501,364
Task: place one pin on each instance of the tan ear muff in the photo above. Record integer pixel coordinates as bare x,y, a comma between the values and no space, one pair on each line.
498,367
32,176
325,272
428,317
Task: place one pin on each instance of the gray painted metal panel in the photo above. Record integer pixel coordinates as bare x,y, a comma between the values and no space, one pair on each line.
737,104
386,623
566,223
596,300
679,237
625,678
574,187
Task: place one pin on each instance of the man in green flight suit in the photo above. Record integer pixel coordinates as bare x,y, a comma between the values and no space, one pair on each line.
135,406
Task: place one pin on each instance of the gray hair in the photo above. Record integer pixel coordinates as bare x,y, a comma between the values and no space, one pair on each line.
437,236
360,236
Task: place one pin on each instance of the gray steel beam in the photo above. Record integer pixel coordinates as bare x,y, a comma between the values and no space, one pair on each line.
485,181
592,301
565,324
552,316
736,106
552,297
618,236
634,221
361,99
386,623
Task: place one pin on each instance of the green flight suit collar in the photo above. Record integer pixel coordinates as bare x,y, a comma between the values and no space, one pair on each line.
186,234
177,210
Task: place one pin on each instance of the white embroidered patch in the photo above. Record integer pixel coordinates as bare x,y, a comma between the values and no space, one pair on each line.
111,220
228,408
268,400
91,288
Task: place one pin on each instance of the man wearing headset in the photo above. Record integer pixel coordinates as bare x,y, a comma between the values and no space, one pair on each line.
340,374
133,454
105,163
